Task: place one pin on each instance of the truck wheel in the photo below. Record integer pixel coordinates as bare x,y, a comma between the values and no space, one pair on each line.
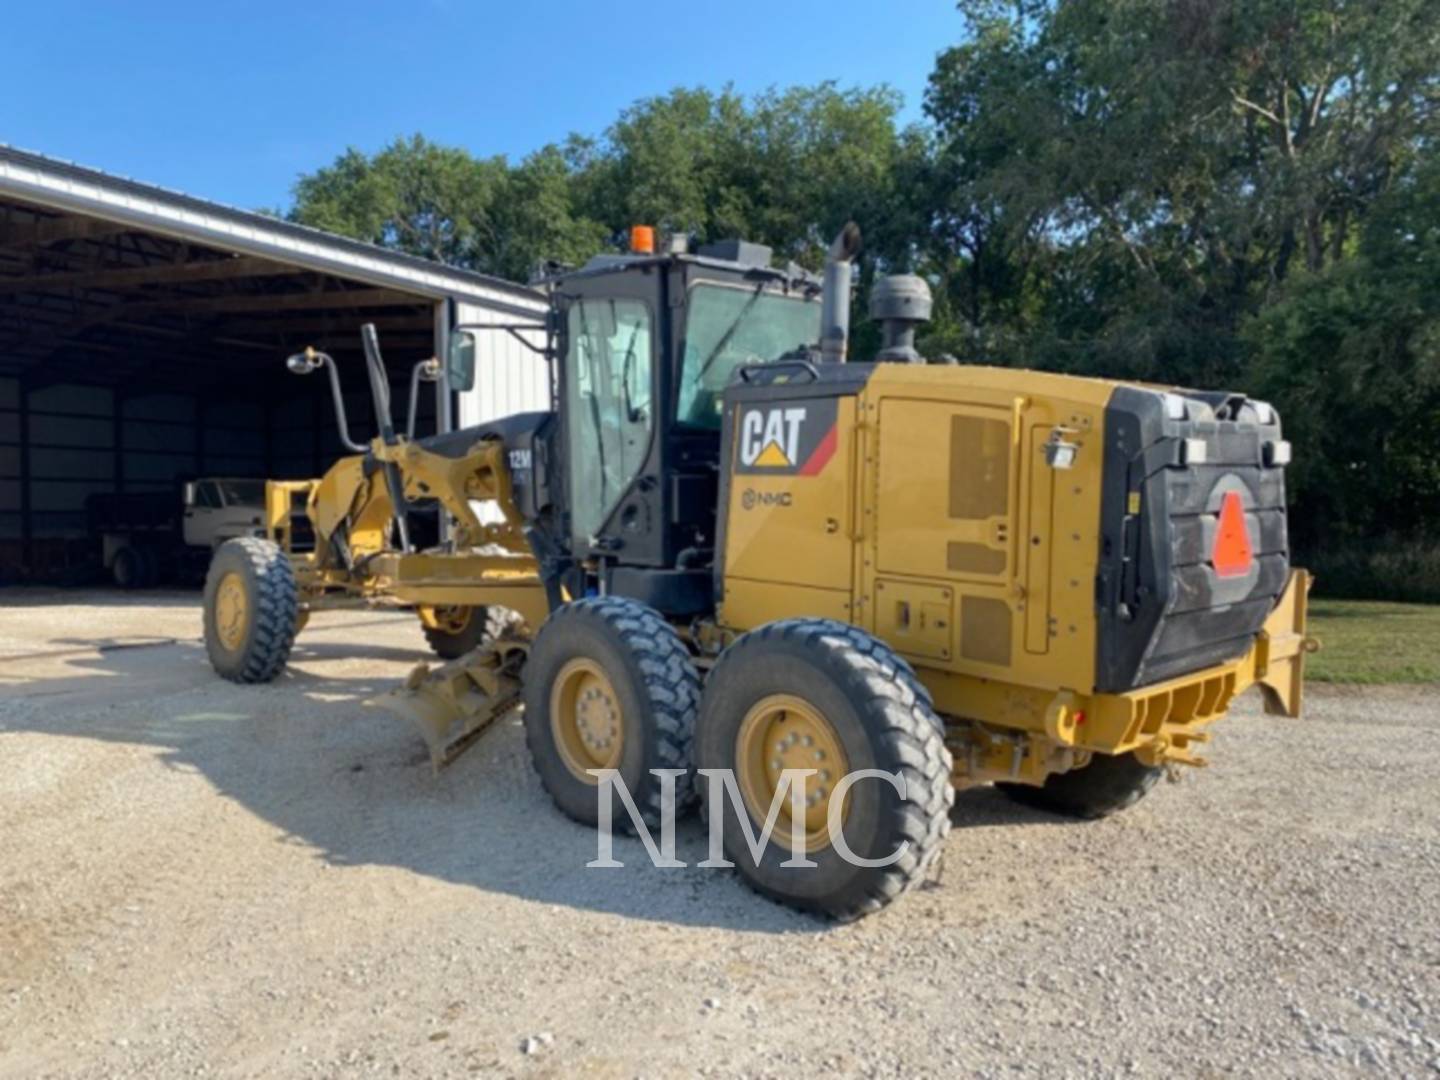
128,568
1107,784
251,608
818,694
462,629
610,685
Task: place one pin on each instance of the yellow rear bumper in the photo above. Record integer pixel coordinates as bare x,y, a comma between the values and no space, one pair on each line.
1161,722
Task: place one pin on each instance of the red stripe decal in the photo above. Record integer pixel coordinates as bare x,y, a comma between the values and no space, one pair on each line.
823,453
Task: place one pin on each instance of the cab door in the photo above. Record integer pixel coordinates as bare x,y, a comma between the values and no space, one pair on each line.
203,512
609,396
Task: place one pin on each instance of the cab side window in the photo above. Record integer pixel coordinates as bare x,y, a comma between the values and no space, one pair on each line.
608,400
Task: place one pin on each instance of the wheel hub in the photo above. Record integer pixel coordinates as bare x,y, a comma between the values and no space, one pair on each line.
452,620
586,719
232,611
783,732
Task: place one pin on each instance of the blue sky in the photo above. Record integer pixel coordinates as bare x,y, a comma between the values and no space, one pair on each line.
232,101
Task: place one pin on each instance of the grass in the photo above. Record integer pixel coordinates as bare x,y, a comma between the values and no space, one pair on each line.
1366,641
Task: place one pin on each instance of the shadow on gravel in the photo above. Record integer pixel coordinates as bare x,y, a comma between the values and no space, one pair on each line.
353,784
26,596
985,807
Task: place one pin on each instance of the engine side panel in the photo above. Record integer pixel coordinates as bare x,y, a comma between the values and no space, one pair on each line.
978,556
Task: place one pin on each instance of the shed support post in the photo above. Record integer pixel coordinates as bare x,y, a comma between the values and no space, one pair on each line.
117,439
27,525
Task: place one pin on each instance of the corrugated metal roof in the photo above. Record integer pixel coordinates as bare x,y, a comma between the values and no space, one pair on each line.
63,185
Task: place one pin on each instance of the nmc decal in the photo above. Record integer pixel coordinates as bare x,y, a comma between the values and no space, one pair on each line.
789,438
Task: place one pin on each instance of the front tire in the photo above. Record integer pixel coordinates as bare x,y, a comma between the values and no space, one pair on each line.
610,685
816,693
461,630
1104,786
251,610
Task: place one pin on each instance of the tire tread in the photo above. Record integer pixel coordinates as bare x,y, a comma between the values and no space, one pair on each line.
880,682
276,606
669,681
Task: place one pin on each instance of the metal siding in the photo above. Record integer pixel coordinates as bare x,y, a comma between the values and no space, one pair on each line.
509,378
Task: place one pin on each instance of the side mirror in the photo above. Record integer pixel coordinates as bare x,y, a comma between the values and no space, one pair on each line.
460,361
190,493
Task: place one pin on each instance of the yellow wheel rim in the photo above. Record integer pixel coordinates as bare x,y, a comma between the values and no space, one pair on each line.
232,611
586,719
452,620
786,732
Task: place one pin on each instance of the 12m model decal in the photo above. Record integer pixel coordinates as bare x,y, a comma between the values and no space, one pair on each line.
793,438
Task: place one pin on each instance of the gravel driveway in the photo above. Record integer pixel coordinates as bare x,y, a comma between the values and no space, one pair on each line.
198,878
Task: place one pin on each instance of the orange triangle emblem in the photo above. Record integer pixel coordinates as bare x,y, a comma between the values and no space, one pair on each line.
1232,554
772,457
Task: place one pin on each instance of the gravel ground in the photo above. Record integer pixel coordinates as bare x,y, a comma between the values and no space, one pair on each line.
198,878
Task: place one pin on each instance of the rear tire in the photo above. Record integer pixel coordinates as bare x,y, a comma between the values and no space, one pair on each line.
850,700
609,684
251,610
458,635
1104,786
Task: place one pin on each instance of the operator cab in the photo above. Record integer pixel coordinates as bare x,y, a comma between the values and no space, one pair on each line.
644,345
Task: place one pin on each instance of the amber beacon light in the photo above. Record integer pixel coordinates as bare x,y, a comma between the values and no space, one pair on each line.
642,239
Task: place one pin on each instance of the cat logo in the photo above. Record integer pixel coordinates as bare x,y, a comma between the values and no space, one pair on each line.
770,438
797,438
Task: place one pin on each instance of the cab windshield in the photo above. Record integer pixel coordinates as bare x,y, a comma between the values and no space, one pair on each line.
242,492
728,328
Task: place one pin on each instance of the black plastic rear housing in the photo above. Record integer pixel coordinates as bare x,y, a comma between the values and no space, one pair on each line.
1171,460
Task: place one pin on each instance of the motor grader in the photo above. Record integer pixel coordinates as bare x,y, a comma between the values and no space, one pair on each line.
727,548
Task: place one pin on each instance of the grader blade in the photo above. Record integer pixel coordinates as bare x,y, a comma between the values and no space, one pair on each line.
453,704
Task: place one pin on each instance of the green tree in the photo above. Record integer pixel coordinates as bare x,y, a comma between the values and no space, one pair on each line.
433,201
786,168
538,217
1119,184
1352,350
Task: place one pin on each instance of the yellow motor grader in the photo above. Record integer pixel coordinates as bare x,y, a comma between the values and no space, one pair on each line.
726,548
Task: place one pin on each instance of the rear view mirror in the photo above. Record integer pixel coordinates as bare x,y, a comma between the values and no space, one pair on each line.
460,361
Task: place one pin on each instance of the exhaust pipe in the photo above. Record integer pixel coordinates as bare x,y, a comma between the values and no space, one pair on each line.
835,301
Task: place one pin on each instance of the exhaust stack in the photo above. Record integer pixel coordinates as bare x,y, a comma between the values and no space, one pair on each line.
835,303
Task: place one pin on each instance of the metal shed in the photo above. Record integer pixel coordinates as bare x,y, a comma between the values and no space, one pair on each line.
142,339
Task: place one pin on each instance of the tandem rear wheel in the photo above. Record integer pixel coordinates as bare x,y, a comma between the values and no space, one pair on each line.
610,685
822,696
1101,787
